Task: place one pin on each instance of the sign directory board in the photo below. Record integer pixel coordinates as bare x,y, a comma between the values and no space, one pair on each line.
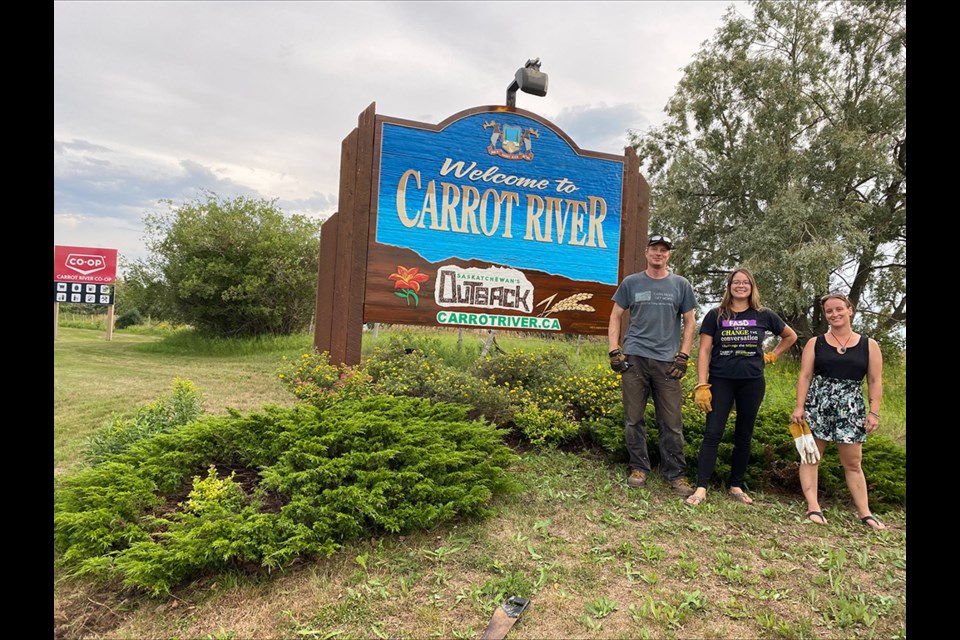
83,292
84,264
492,219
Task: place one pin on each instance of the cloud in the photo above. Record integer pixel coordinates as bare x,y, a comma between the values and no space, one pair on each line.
601,127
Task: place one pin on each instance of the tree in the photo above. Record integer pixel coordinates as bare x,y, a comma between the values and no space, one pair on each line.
784,151
236,267
142,288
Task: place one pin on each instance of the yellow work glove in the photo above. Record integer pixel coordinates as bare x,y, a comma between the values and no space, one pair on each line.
770,357
806,445
702,397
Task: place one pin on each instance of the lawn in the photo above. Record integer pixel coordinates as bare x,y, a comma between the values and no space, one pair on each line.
596,559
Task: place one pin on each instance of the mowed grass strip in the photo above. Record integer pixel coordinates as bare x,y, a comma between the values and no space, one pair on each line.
94,379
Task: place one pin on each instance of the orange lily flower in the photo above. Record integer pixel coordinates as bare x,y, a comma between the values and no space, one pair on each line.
408,278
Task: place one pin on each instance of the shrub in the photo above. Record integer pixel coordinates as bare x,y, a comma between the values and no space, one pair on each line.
326,476
546,427
312,378
128,319
183,404
531,370
396,369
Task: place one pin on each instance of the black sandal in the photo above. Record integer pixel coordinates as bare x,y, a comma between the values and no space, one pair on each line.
866,520
819,514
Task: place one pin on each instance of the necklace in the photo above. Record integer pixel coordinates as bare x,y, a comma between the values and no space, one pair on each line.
843,348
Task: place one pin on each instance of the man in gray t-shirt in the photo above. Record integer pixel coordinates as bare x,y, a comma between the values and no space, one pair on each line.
650,364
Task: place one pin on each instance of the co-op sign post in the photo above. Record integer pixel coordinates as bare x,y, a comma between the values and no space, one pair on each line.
84,275
493,218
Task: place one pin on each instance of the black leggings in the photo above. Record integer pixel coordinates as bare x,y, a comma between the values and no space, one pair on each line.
747,394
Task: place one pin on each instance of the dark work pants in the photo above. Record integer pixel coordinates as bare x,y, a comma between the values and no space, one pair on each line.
747,394
650,378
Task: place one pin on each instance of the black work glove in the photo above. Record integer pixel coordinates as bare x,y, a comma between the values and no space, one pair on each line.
618,361
679,367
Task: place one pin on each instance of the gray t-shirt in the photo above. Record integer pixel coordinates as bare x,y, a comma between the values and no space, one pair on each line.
656,307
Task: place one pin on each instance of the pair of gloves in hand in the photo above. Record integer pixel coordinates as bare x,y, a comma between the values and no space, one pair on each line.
806,445
618,362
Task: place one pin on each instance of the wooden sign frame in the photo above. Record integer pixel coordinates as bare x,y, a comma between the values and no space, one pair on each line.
353,285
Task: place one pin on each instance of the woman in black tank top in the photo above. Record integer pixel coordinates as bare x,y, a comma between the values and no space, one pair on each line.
830,399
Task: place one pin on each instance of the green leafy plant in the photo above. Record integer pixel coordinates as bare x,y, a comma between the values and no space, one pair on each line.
325,476
183,404
546,427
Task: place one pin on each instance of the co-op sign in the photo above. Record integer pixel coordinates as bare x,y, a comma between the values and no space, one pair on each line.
84,264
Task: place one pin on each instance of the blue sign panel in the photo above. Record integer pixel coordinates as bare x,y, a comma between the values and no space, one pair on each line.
501,188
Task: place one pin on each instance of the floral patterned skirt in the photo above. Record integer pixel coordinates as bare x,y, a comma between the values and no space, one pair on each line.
835,410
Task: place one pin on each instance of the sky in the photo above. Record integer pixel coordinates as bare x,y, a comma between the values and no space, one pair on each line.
164,101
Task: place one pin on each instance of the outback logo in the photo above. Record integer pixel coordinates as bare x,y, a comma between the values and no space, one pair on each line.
491,288
85,264
507,141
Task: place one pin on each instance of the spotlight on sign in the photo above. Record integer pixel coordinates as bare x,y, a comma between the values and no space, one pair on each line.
528,79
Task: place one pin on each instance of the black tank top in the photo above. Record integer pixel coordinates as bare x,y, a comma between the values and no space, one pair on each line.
851,365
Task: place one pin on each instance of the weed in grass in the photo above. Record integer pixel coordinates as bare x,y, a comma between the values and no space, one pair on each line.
441,553
769,554
378,631
625,550
734,609
533,553
662,612
768,594
836,581
601,555
542,526
601,607
519,538
891,579
863,559
766,620
687,567
692,601
464,634
441,577
696,527
650,578
652,552
836,559
639,514
844,612
895,557
724,558
735,574
611,518
590,623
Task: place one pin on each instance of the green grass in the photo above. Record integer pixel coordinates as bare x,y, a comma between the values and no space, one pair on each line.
596,559
94,378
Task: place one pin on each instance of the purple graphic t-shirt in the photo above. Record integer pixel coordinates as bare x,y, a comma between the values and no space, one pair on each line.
738,341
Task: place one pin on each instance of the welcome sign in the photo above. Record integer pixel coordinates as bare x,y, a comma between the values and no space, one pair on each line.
504,189
493,218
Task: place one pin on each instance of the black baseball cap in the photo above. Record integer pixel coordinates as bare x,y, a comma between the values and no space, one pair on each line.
659,239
